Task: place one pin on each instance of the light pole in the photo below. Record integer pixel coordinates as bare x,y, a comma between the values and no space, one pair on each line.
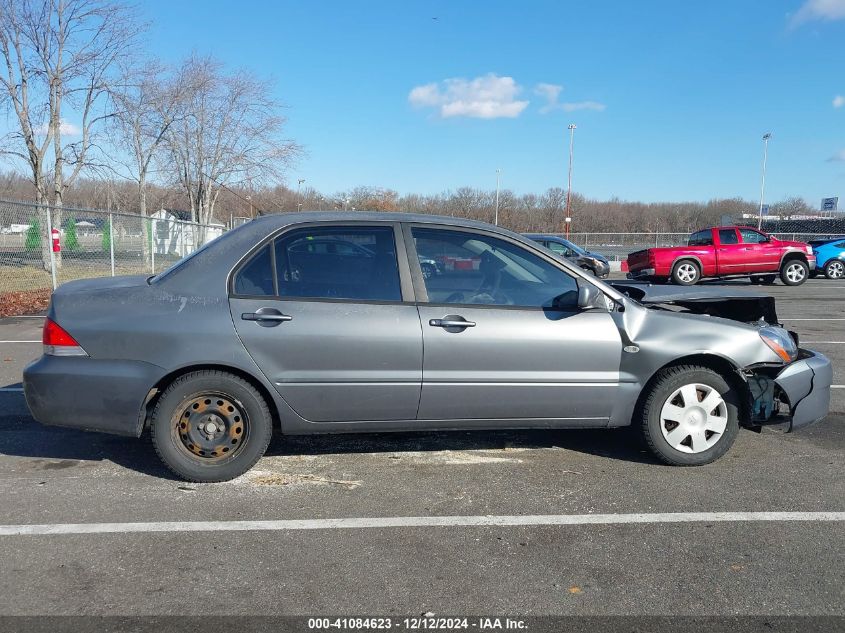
569,185
496,216
766,138
299,193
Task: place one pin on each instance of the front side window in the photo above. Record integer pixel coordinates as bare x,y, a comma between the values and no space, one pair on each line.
557,247
338,263
727,236
750,236
478,269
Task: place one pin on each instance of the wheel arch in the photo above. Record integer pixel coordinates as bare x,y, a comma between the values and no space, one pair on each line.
681,258
155,392
721,365
788,256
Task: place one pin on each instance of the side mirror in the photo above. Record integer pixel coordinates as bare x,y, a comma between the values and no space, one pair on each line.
589,297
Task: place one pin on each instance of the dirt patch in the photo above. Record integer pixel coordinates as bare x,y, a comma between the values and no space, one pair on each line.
456,457
268,478
24,302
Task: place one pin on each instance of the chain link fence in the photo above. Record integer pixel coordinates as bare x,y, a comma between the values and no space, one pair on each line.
43,246
97,243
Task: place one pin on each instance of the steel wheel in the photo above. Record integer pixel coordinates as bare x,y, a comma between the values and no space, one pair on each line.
210,426
835,270
693,418
795,272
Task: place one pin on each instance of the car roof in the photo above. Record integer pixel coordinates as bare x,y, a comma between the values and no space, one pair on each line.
278,220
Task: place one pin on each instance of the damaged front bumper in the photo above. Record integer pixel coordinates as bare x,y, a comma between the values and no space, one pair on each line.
798,394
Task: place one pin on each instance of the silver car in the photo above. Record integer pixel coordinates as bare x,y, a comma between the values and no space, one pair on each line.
269,328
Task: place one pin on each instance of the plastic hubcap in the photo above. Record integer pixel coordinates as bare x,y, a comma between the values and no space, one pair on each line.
693,418
836,270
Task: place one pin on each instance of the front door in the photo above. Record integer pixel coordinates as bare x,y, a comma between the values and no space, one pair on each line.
504,339
762,254
321,312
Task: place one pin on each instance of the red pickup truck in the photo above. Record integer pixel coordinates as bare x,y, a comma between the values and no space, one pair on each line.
726,251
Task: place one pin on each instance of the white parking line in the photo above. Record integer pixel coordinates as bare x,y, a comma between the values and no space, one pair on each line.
11,389
808,319
20,341
418,521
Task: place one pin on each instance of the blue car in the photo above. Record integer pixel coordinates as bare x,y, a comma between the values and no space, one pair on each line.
830,256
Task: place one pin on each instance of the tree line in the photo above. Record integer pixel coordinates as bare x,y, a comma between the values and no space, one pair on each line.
544,212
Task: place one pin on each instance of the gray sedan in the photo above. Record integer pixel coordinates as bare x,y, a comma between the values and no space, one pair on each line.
266,328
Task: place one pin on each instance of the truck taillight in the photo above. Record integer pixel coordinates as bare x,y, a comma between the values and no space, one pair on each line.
57,342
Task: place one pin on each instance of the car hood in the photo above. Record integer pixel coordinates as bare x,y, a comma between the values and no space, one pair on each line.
730,303
601,258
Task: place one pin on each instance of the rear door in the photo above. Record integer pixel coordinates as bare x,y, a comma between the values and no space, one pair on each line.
731,255
504,340
327,313
763,256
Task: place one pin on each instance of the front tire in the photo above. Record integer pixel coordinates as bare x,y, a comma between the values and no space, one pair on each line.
834,269
689,416
686,273
210,426
794,272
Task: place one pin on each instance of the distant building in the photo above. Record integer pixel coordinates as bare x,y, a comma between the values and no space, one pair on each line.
174,233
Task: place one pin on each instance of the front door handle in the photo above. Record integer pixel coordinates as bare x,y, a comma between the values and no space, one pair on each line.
451,322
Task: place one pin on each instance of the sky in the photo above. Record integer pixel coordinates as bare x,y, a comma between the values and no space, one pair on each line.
670,98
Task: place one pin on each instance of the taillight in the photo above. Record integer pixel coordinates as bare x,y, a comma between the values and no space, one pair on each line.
57,342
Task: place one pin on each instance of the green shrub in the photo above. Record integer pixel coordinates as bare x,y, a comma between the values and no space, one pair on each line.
106,237
71,240
33,236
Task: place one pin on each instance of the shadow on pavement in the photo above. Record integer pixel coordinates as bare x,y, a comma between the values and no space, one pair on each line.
54,448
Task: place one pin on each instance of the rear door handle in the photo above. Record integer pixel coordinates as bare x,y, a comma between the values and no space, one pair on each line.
451,322
266,317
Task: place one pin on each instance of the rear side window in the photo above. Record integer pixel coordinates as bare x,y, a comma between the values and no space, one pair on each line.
256,277
702,238
728,236
338,263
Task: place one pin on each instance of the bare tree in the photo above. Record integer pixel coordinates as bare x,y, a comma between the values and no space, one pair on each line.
231,135
147,101
59,52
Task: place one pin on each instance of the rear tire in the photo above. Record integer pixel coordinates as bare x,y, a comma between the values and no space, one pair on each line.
794,272
686,273
210,426
834,269
689,416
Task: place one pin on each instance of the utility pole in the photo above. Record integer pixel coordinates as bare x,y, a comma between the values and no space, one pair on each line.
766,138
568,218
496,216
299,193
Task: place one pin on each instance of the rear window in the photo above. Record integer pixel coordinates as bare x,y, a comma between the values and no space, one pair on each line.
728,236
702,238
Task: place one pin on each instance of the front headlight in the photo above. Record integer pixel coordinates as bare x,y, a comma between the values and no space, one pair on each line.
780,342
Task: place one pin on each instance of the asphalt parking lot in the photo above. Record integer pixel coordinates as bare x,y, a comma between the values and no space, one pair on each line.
701,567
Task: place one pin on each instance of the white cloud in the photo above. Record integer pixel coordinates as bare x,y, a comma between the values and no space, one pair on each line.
838,101
486,97
838,157
583,105
828,10
66,128
551,93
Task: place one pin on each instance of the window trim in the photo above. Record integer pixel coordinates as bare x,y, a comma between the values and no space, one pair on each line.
405,286
534,248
